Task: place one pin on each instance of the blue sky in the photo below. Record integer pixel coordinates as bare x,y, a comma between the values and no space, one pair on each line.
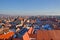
30,7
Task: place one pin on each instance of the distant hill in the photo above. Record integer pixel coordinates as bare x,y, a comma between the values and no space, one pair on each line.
3,15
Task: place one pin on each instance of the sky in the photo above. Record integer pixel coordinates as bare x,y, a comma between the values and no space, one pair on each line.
30,7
